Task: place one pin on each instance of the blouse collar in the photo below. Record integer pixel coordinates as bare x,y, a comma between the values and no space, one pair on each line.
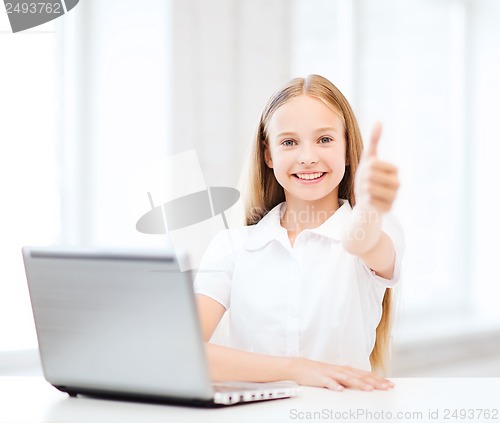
269,227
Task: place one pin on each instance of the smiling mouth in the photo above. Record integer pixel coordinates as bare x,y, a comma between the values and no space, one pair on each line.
309,176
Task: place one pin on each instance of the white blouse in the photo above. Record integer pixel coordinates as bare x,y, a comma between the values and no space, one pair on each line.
311,300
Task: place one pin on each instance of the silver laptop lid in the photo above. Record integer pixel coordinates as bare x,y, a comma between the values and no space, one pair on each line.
121,321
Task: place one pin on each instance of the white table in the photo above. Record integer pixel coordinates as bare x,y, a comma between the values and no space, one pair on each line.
31,399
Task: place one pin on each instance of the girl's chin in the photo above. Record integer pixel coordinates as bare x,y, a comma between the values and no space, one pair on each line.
303,197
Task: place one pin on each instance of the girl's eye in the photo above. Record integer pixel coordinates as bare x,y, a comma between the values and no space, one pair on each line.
288,143
325,140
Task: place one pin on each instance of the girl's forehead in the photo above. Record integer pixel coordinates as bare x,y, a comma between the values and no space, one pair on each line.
304,112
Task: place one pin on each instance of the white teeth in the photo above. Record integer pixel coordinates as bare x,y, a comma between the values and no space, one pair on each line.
310,175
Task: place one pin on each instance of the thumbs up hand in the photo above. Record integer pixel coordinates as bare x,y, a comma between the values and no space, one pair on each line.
376,182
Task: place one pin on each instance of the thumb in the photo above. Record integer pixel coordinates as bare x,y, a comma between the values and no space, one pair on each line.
372,149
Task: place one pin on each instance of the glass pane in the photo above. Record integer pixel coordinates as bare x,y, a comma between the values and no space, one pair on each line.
28,168
411,76
404,63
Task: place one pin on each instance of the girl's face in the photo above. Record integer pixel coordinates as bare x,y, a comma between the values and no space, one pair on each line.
307,149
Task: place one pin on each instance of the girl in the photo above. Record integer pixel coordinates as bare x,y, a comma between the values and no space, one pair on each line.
308,280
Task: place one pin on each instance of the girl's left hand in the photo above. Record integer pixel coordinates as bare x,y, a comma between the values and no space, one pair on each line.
376,182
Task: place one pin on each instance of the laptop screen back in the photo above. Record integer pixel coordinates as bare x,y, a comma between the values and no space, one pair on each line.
118,321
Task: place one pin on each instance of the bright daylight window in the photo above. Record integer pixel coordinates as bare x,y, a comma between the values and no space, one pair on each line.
62,127
425,69
28,167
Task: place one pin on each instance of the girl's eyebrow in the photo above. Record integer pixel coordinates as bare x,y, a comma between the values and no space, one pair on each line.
327,128
286,134
323,129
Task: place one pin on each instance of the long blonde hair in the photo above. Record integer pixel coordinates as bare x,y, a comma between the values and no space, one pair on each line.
264,192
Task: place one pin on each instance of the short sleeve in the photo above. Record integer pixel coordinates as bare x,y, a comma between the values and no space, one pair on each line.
393,229
214,275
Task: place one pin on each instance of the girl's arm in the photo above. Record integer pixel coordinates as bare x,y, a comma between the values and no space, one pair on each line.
229,364
376,187
365,239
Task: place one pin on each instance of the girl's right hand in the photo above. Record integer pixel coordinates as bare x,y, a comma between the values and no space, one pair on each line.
315,373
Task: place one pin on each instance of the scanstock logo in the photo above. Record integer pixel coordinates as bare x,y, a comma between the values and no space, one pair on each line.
26,14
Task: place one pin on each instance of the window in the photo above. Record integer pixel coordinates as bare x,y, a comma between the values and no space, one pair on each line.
85,132
425,69
29,178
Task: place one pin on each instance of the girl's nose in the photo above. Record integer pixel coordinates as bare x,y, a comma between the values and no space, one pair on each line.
307,156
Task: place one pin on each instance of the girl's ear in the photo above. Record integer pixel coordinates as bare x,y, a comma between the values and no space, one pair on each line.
267,157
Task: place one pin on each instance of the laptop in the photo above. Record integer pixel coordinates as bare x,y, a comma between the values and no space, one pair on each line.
124,324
